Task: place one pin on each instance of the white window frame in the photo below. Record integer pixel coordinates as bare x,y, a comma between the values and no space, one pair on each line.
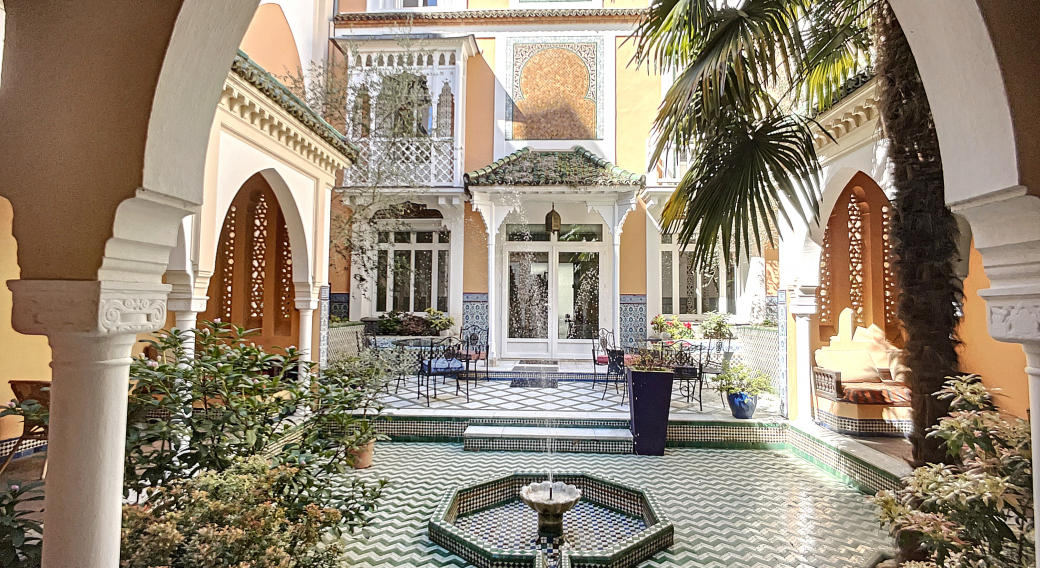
413,227
675,251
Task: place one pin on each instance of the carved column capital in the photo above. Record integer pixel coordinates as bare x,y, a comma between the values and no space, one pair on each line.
87,307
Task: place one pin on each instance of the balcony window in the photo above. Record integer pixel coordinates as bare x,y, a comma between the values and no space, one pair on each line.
412,272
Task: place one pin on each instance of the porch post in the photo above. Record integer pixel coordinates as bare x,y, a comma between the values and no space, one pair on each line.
185,305
492,314
306,303
92,327
803,306
615,298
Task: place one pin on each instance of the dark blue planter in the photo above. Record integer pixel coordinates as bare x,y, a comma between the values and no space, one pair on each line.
742,405
651,393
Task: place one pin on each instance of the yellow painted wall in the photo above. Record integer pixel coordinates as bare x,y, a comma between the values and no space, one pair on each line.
638,94
772,258
339,261
348,6
24,357
488,4
269,41
480,107
474,268
633,252
1002,365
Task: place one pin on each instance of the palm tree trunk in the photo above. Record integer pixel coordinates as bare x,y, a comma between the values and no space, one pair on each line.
924,232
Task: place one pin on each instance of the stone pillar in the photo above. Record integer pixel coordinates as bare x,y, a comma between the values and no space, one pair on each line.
493,316
92,327
1005,225
803,306
615,296
306,304
186,310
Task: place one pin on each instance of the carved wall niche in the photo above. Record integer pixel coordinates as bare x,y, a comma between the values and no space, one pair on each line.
252,285
856,270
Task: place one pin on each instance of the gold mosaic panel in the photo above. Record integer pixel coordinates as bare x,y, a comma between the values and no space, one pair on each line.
555,91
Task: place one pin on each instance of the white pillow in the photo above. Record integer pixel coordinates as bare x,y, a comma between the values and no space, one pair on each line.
855,366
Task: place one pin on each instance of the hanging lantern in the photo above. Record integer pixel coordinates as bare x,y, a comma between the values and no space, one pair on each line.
552,221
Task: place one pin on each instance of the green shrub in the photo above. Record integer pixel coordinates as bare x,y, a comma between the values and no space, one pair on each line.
739,378
977,513
237,517
21,544
438,321
716,326
233,400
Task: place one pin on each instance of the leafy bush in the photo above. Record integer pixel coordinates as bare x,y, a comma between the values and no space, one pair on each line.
739,378
238,517
21,543
233,400
390,323
438,321
716,326
977,513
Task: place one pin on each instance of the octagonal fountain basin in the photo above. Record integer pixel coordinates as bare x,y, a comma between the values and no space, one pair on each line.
611,523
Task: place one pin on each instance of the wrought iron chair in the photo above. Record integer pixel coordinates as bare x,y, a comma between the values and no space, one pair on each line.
601,343
475,349
32,429
441,360
615,364
686,366
715,357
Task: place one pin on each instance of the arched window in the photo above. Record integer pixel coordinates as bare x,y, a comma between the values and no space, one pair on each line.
406,98
855,265
446,112
252,285
362,113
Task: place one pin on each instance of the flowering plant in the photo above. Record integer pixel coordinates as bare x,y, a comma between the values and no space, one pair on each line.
978,512
21,544
672,325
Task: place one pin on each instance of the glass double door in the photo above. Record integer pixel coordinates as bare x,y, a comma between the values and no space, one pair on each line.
553,301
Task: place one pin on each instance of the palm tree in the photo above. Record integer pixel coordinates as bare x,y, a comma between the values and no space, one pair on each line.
748,79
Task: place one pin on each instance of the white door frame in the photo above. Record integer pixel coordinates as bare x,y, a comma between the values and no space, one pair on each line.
552,347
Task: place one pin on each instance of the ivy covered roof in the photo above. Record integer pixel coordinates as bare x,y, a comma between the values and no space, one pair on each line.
575,168
258,77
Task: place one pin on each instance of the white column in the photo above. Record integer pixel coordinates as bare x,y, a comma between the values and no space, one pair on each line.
92,327
615,298
723,295
803,306
306,304
186,310
492,314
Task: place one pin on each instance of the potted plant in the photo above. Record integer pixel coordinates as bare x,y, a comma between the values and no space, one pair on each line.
650,386
716,326
742,386
439,322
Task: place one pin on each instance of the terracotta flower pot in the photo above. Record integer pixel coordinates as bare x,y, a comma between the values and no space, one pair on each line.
363,455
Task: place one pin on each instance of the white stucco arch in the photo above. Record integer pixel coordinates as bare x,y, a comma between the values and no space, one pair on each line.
965,87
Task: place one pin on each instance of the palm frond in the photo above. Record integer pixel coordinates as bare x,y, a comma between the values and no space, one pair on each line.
739,182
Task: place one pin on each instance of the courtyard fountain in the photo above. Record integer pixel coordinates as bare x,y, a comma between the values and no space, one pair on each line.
551,500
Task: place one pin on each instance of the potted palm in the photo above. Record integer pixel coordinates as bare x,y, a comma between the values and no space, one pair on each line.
650,386
439,322
742,386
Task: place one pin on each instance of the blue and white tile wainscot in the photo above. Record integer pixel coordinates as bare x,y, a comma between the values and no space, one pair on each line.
475,312
633,318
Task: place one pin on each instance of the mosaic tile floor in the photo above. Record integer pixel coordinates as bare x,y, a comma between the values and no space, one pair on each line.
570,396
731,508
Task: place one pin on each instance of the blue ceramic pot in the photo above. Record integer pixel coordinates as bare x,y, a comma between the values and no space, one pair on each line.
741,405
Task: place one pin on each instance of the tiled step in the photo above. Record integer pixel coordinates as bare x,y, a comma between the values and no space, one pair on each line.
533,439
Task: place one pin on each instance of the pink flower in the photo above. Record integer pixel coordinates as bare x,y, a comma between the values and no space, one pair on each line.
11,404
14,488
153,364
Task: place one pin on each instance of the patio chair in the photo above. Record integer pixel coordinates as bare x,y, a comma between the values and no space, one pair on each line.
31,429
686,366
600,345
615,360
715,357
442,360
475,349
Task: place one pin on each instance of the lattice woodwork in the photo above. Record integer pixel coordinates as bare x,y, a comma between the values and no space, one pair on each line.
689,273
257,261
891,291
226,258
283,323
446,112
856,259
823,301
